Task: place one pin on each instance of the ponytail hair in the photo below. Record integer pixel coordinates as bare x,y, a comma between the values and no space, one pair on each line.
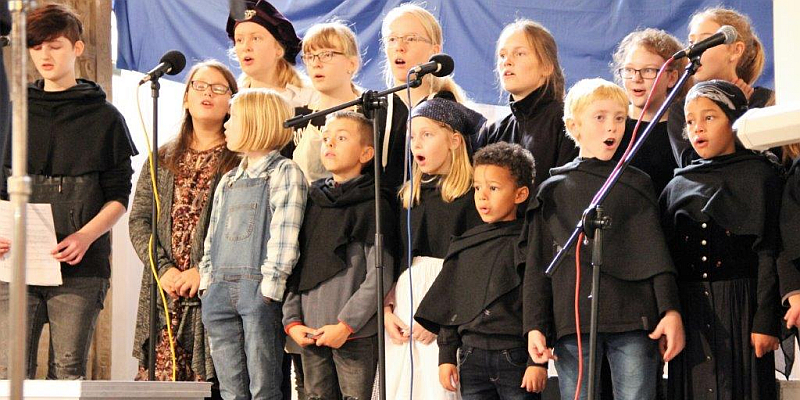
751,64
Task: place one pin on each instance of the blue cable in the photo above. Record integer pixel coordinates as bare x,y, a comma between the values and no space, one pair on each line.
410,173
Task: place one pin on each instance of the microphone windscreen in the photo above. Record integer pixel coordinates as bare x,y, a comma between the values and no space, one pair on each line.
446,62
176,59
729,32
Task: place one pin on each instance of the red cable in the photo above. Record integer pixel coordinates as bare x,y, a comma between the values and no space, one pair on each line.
577,314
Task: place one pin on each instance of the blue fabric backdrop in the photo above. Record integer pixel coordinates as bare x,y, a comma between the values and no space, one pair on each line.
586,31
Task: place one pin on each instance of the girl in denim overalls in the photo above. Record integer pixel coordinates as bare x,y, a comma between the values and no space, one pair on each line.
251,248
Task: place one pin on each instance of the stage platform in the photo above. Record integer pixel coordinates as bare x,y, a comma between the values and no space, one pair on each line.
110,390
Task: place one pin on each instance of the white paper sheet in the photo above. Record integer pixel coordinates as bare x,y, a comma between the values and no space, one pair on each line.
42,269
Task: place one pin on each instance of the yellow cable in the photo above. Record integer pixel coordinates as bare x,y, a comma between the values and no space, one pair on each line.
150,244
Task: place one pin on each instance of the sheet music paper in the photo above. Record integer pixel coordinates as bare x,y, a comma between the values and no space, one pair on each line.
42,269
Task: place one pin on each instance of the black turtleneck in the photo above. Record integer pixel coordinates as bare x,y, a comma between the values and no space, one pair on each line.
536,123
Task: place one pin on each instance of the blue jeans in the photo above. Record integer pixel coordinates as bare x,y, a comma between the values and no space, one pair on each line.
493,374
71,310
245,335
632,356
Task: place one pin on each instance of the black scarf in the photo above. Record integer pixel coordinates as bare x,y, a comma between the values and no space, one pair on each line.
634,247
740,192
335,216
481,265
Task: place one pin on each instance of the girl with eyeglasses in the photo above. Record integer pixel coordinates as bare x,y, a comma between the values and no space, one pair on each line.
410,36
740,63
528,69
188,169
636,62
332,59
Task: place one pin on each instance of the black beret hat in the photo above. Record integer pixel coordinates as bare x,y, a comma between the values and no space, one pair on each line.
266,15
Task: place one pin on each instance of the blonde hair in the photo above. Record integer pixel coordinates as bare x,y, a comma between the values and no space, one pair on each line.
655,41
433,32
455,183
544,48
262,112
588,91
334,35
751,64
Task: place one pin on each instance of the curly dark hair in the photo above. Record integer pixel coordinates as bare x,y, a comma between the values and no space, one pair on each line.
513,157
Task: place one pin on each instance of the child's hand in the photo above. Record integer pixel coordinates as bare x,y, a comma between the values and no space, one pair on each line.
535,379
763,344
395,327
792,316
72,248
332,336
5,246
537,348
299,333
669,333
422,335
448,377
167,281
187,283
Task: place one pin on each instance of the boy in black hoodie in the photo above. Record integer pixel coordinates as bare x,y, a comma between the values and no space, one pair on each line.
79,161
330,308
475,304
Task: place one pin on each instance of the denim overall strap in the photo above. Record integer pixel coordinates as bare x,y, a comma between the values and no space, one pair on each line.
242,231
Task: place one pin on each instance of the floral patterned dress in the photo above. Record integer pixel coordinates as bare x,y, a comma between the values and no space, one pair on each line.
190,194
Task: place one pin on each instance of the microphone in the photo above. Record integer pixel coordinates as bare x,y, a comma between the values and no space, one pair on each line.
4,41
171,63
725,35
439,65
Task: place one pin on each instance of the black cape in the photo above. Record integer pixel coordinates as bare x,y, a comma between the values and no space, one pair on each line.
481,265
434,222
334,217
724,189
631,205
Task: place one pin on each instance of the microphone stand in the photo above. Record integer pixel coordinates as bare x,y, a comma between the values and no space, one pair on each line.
155,86
19,189
594,220
371,102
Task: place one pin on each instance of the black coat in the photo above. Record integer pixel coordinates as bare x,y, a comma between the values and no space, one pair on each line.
637,283
535,123
720,217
